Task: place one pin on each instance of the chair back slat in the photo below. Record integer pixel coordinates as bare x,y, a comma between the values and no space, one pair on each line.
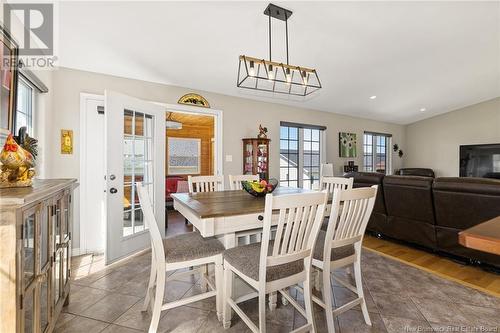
351,210
299,221
150,220
332,183
205,183
235,180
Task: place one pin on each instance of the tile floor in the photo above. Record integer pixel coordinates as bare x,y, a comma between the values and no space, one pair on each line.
400,299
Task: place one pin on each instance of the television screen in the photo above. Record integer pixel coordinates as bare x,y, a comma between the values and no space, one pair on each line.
480,161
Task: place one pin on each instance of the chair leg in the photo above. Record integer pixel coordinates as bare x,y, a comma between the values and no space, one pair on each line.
309,304
359,287
273,300
327,298
152,279
219,283
228,294
262,310
158,301
203,271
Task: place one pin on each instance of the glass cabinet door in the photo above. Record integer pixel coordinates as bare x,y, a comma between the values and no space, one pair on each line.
65,265
28,244
45,239
44,302
57,222
28,302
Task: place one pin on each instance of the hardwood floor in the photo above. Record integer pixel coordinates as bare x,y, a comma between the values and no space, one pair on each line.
470,276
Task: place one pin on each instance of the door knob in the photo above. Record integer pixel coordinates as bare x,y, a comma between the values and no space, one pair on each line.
113,190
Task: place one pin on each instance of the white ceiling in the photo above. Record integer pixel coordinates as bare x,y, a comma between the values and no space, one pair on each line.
435,55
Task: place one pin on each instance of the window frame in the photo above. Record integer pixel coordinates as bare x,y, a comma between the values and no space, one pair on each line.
375,148
303,165
30,118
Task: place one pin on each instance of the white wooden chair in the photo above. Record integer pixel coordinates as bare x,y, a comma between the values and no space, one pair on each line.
178,252
273,266
205,183
235,180
340,246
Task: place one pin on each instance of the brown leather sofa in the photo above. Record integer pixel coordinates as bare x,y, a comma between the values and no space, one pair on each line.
430,212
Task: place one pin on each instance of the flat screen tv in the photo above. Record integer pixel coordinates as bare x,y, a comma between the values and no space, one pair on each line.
480,161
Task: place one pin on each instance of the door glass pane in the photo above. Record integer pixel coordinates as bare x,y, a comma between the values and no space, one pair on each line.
67,211
58,223
57,277
29,247
65,267
44,304
138,161
28,302
44,240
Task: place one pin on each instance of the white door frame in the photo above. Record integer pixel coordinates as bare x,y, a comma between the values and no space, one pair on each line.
84,97
217,114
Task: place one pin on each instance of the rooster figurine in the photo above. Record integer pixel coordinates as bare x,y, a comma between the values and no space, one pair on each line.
18,161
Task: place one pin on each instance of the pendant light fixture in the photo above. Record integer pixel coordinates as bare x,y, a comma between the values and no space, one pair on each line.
272,76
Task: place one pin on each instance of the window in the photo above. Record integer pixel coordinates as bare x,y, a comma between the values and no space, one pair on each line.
24,107
289,156
376,152
300,155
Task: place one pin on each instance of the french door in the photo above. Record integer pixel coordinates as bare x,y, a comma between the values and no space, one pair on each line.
135,153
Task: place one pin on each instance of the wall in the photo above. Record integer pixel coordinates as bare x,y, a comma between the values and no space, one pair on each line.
434,142
241,119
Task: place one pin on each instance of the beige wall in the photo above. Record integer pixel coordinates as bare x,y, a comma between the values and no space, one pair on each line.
241,119
434,142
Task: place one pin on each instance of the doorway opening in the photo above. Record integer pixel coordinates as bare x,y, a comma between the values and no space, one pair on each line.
191,151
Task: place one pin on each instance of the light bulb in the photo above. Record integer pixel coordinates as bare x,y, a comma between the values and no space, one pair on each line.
304,78
251,71
270,73
288,75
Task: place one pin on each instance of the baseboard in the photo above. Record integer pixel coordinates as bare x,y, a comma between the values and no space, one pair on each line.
75,252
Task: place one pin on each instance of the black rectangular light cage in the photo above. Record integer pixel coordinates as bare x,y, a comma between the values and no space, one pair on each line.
270,76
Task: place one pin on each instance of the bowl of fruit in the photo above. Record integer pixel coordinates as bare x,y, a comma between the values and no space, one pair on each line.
259,188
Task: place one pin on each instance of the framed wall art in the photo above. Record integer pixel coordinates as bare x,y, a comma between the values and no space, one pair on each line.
183,156
347,144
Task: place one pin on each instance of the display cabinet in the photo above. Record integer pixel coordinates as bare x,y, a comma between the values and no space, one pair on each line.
36,252
256,157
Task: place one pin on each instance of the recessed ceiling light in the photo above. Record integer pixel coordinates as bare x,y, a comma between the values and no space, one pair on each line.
423,109
373,97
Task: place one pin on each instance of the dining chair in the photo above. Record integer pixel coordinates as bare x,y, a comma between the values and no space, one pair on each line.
340,247
274,265
205,183
330,184
175,253
235,180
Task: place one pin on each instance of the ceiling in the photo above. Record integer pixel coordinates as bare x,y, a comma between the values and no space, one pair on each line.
411,55
191,119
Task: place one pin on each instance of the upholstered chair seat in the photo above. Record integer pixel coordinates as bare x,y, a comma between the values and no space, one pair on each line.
246,260
190,246
337,253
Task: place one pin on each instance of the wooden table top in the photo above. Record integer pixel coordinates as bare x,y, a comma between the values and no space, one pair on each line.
483,237
228,203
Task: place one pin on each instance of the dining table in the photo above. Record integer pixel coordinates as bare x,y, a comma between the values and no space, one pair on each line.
482,237
226,214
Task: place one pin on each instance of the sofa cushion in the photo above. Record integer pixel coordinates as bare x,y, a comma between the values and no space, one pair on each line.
462,203
409,197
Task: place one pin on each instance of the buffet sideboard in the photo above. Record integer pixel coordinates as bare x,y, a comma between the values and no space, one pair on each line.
35,254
